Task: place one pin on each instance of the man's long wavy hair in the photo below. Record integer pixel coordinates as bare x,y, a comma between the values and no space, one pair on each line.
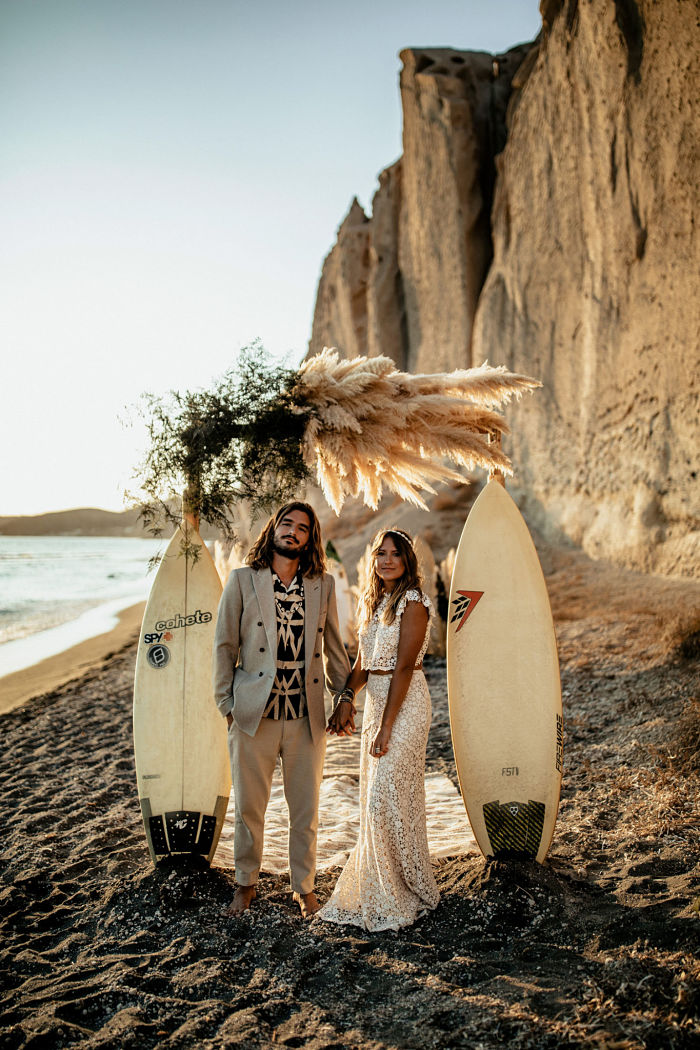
374,588
313,558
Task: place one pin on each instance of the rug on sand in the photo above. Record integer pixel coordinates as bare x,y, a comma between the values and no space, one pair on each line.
449,833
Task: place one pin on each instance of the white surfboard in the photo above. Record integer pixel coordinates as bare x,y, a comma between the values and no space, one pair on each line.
344,598
429,572
503,683
180,746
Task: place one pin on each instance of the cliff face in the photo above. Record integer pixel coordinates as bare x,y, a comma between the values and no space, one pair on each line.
405,283
594,281
341,300
559,238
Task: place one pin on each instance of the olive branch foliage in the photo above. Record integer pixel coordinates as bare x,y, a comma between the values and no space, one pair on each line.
238,440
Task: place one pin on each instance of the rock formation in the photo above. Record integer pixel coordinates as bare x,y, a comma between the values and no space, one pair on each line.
585,275
594,281
341,300
405,283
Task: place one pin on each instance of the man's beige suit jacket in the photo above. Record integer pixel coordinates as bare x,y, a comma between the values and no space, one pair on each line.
245,647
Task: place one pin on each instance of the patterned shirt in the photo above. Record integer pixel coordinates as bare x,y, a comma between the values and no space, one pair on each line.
288,699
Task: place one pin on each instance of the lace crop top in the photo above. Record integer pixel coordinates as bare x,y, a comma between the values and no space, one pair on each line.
379,643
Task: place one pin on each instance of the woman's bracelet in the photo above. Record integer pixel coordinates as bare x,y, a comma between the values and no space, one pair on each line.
346,696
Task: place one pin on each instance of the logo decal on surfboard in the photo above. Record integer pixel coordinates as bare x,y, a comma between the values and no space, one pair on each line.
465,605
158,656
184,621
157,636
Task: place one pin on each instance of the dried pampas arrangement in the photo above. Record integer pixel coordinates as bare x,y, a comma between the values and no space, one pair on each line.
372,426
361,425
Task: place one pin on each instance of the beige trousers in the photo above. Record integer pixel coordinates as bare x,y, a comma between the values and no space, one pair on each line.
253,760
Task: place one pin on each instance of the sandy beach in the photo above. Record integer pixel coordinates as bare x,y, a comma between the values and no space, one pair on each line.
597,948
81,659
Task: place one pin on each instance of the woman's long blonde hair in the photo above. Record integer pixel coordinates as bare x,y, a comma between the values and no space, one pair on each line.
374,588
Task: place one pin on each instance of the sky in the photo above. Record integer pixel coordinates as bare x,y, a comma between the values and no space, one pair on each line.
172,175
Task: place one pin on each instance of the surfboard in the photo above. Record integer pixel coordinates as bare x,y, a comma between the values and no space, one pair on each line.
503,679
429,572
180,740
344,598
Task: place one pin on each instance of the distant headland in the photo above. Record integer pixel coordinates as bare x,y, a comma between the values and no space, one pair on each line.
83,521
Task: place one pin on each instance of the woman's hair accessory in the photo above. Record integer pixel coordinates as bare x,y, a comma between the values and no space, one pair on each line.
404,535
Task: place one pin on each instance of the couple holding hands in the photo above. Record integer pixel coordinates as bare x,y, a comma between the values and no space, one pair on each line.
277,646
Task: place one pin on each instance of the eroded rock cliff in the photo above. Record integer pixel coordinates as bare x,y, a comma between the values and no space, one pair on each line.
405,283
341,300
559,237
593,286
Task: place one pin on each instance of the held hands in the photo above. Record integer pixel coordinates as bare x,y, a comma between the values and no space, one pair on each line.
380,744
342,721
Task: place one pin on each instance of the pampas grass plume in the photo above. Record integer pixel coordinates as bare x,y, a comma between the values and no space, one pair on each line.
373,426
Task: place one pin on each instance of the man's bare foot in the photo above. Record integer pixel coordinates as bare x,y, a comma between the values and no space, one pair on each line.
307,903
242,899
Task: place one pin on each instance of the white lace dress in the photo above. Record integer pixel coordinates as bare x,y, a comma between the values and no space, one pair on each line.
388,879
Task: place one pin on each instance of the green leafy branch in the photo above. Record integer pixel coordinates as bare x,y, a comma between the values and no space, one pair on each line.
239,440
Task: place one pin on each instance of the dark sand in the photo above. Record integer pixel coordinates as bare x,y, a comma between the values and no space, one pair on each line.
597,948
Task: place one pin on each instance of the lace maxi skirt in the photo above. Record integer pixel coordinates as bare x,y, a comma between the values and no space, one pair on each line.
388,879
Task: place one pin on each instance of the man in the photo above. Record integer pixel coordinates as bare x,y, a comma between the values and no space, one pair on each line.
277,643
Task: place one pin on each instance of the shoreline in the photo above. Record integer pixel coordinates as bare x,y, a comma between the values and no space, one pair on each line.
52,672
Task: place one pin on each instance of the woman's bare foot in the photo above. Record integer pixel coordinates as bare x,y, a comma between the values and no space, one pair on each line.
307,903
242,899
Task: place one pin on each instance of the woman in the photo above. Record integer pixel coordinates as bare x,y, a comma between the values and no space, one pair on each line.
388,880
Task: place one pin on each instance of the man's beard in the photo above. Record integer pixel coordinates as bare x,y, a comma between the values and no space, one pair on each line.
286,552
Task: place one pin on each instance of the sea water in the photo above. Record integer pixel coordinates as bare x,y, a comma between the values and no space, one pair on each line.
56,591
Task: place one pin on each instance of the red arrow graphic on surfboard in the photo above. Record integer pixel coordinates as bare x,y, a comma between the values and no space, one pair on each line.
465,605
